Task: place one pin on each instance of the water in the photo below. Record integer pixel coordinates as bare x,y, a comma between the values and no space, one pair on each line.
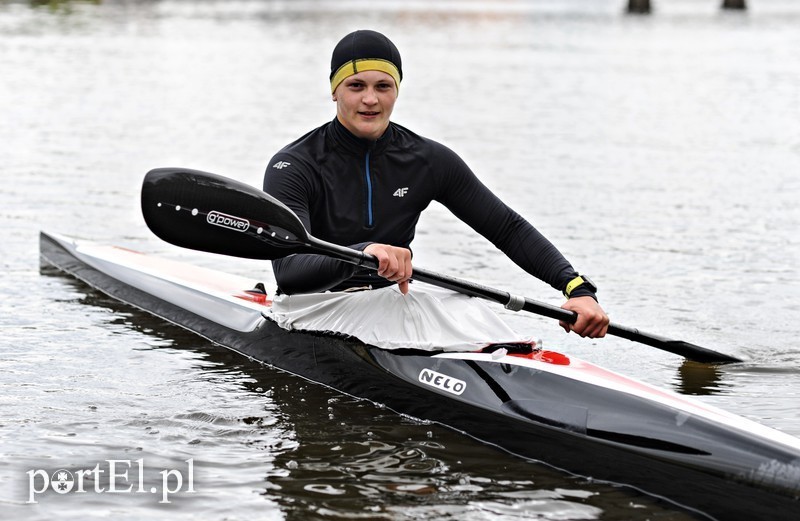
660,153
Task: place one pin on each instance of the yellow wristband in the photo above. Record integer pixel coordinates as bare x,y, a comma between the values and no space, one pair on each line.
571,285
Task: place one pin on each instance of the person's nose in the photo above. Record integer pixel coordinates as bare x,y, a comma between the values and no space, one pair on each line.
370,97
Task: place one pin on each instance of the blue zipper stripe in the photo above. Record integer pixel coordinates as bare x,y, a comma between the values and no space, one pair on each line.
369,193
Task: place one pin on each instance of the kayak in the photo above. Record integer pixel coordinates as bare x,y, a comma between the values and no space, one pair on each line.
534,403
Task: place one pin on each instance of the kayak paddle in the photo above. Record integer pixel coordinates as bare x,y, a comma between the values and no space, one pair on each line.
215,214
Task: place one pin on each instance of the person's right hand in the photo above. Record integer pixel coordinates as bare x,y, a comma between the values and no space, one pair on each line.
592,320
393,263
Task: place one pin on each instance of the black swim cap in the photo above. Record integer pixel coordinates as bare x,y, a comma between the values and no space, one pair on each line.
365,51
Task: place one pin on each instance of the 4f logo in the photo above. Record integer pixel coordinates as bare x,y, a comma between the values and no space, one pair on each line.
280,165
400,192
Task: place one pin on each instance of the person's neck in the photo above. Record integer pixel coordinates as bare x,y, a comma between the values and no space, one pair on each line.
360,143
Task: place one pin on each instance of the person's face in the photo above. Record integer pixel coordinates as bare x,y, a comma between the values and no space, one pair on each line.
364,102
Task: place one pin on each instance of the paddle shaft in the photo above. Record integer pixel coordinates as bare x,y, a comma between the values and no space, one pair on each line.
212,213
519,303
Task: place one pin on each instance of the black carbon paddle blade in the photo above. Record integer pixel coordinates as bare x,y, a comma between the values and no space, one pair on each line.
211,213
679,347
696,353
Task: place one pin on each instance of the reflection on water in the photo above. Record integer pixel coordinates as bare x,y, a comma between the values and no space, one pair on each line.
699,379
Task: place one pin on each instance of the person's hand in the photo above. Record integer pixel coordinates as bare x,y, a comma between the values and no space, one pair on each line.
592,320
393,263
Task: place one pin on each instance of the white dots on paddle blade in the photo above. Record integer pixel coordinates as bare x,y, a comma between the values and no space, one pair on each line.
195,211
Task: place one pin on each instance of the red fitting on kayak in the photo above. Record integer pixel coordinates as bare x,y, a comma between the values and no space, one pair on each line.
258,295
550,357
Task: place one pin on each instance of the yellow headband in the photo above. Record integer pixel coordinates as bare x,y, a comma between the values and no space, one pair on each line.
365,64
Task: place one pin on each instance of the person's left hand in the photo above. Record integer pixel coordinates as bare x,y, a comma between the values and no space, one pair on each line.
592,320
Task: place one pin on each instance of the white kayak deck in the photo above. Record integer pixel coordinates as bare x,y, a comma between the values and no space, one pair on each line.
427,318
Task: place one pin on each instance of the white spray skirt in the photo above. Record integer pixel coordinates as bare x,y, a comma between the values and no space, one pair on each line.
428,318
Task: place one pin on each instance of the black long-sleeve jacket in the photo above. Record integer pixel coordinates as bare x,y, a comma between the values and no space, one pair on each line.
354,192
